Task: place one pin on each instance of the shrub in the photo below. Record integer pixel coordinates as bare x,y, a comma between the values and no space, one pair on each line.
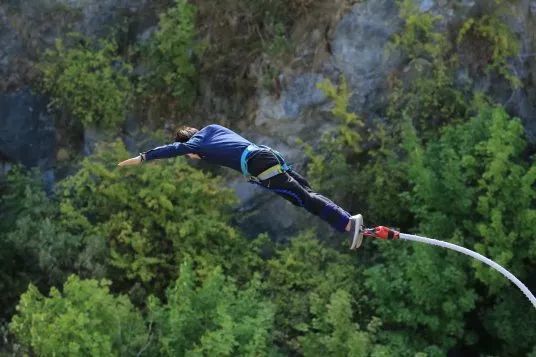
84,319
152,218
497,44
170,56
215,319
90,81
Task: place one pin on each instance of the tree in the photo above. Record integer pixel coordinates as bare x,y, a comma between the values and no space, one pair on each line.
33,247
301,279
471,187
88,80
423,294
170,56
152,217
83,319
215,318
334,332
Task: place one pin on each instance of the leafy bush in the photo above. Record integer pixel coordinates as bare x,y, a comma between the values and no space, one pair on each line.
497,44
214,319
300,280
89,81
33,247
170,55
471,186
430,97
420,36
336,334
338,147
84,319
475,176
152,217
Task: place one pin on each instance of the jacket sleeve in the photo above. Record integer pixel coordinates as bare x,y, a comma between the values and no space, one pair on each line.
170,150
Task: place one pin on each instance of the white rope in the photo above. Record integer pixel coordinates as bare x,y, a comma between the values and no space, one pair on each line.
477,256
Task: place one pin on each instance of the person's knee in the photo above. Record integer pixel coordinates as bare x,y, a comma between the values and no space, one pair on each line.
314,203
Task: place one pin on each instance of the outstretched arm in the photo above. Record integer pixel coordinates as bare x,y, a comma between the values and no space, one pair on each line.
167,151
161,152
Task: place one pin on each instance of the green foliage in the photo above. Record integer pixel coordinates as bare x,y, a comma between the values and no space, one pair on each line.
354,177
33,247
88,80
480,164
338,147
153,216
497,43
215,319
335,334
347,136
513,323
426,291
507,197
170,56
280,43
21,193
427,93
384,179
257,31
430,99
84,319
300,280
420,37
471,186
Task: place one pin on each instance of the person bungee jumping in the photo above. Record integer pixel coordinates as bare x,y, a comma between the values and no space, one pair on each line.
260,165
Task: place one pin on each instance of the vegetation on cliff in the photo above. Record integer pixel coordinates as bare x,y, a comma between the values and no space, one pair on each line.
148,260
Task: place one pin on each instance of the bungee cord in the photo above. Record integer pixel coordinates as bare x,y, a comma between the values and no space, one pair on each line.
388,233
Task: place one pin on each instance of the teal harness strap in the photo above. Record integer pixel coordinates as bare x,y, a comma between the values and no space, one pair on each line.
244,159
279,157
253,147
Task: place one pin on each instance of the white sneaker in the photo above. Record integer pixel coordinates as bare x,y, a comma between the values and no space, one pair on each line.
356,231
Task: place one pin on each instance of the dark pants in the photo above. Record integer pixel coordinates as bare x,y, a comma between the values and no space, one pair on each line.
294,188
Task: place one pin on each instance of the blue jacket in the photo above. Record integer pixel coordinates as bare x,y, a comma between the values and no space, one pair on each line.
214,143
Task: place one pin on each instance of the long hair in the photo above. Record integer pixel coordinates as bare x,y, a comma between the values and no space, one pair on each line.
184,133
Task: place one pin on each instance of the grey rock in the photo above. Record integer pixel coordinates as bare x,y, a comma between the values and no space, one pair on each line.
522,104
10,47
5,166
426,5
361,51
27,132
99,16
532,7
49,179
300,94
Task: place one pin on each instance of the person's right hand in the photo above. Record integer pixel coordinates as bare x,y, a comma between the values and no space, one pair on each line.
133,161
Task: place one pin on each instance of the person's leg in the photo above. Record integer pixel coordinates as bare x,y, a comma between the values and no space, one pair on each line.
301,180
294,188
305,184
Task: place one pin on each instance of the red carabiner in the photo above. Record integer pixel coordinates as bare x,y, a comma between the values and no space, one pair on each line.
383,232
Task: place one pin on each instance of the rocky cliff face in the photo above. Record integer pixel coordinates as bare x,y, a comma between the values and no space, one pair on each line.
27,28
351,41
26,130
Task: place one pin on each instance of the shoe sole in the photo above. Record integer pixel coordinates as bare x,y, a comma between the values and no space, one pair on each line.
358,233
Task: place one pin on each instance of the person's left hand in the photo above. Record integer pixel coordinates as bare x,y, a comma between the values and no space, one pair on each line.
133,161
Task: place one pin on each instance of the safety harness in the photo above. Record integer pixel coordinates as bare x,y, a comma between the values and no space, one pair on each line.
280,168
